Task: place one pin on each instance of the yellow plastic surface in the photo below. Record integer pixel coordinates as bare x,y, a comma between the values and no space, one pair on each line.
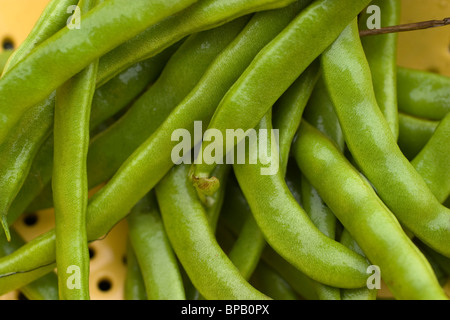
425,50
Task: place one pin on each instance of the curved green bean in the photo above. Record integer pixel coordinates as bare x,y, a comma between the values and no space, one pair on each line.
381,53
69,184
288,110
368,137
320,113
192,239
44,287
289,230
433,161
414,133
271,283
153,251
423,94
376,230
134,288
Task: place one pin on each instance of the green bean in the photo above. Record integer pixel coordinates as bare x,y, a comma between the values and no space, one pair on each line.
192,239
238,216
433,161
294,182
128,85
354,202
373,147
301,284
361,293
271,283
18,151
320,113
381,53
248,248
289,110
45,287
134,288
40,118
423,94
215,202
4,56
414,133
235,215
18,278
156,258
322,218
69,184
319,213
259,87
443,262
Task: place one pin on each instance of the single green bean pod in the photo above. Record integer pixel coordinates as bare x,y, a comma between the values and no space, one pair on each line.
4,56
69,184
288,110
376,230
153,251
301,284
423,94
363,293
271,283
433,161
44,287
381,53
414,133
369,139
320,113
134,287
18,151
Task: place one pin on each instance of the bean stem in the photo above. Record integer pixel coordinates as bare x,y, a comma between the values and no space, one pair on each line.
406,27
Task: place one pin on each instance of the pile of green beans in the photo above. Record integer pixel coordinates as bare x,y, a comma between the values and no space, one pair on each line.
336,179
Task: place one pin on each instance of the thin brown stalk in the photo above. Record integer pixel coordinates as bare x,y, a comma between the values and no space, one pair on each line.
407,27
